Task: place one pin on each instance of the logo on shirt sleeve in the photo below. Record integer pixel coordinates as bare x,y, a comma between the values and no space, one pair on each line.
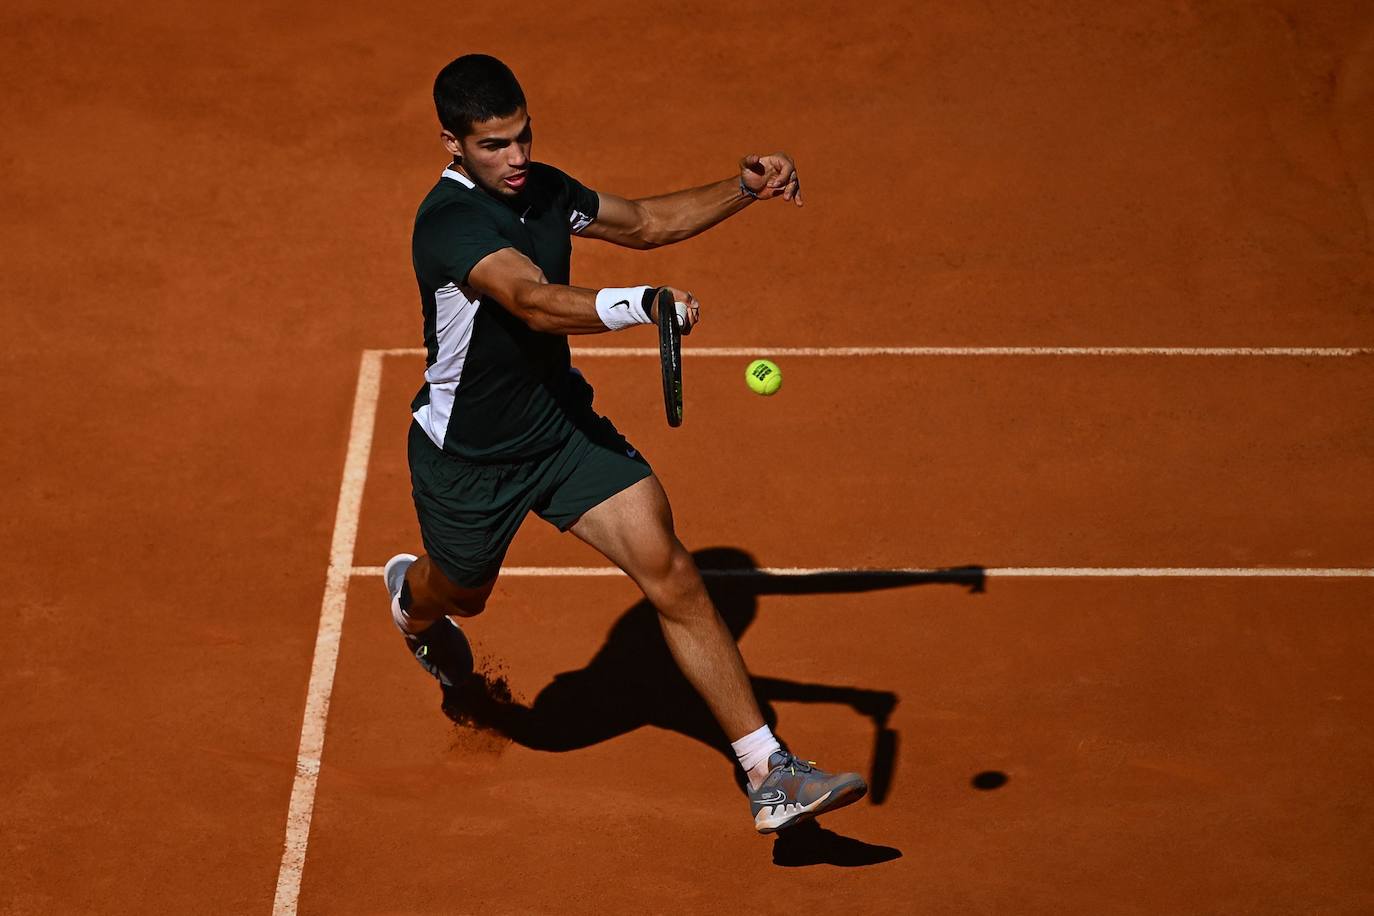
577,220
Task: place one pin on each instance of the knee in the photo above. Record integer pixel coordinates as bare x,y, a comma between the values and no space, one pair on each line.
440,595
675,581
469,605
469,602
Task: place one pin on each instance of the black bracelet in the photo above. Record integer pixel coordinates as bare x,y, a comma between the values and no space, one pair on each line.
746,190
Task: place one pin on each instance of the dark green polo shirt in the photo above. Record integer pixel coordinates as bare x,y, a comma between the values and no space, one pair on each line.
495,390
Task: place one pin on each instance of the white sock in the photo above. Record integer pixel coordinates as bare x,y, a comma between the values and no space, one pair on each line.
754,749
404,622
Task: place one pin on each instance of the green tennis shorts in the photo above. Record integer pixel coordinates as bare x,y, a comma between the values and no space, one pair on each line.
469,513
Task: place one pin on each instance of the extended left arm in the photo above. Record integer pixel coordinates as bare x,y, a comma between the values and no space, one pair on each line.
655,221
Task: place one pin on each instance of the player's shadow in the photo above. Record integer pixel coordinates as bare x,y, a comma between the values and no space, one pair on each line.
633,681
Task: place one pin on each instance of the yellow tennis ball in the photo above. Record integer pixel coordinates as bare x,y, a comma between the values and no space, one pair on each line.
763,377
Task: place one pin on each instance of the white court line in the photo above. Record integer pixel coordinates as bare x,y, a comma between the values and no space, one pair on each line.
344,538
741,352
327,637
998,572
1184,572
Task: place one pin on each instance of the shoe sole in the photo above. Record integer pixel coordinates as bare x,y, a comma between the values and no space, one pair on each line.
831,801
389,571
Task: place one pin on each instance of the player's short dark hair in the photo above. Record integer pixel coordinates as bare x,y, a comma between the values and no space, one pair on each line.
473,88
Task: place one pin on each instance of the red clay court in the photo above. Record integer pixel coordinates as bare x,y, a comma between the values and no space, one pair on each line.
1077,328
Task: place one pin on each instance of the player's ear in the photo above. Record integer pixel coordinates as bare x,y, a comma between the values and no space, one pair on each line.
455,149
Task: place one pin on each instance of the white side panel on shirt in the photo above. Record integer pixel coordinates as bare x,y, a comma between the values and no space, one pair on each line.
455,314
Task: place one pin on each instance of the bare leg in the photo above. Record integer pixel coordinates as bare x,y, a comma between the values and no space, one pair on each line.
432,595
634,530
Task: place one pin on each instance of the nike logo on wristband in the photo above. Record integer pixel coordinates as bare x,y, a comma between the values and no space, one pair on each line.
622,304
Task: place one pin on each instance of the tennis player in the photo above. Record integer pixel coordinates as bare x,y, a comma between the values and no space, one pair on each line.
504,425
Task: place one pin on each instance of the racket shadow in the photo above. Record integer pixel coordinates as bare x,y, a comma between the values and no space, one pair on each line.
632,681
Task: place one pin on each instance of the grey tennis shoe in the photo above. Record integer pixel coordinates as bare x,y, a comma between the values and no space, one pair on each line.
442,649
796,790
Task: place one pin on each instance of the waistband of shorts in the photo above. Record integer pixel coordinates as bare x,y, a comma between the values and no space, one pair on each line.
499,461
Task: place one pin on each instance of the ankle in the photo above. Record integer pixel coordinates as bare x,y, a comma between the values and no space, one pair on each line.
757,775
753,751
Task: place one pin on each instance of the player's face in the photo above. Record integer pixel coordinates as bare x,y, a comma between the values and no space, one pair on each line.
496,154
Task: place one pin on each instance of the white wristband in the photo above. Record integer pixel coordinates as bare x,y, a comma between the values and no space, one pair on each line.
622,307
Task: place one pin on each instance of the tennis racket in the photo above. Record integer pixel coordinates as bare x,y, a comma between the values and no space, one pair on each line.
670,326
